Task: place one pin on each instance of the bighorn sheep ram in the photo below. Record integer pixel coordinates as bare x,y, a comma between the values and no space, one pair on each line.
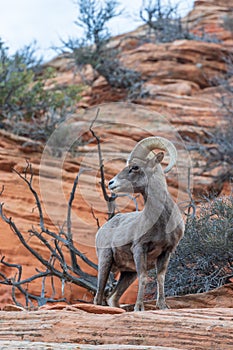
135,242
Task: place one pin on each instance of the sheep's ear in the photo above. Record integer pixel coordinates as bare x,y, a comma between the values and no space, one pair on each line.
159,157
156,159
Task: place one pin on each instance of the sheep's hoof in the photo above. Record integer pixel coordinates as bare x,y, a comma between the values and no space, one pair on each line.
139,306
99,300
113,303
161,304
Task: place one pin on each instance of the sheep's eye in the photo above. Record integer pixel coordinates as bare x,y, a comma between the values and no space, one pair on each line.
135,168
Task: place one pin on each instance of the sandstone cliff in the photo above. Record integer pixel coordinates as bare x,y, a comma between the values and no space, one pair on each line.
181,103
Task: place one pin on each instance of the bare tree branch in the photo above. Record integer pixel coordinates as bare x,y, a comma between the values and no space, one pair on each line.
109,200
69,229
19,267
95,217
192,204
2,190
29,183
85,280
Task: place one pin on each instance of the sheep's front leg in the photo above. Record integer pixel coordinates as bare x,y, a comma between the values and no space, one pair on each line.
104,268
162,264
140,259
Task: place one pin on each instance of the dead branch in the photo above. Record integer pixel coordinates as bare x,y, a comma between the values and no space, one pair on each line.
29,183
69,242
18,284
62,271
110,200
19,267
2,190
192,204
95,217
75,265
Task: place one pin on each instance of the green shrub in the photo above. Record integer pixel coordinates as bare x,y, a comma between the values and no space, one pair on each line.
94,48
25,101
204,257
165,25
163,22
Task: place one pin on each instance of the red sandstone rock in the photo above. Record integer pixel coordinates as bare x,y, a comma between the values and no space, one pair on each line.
90,308
195,329
54,306
97,309
10,307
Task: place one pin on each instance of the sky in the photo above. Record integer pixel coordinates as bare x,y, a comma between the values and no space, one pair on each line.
47,21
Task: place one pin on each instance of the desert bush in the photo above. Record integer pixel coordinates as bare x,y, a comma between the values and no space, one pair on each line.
163,21
27,106
204,258
165,25
94,48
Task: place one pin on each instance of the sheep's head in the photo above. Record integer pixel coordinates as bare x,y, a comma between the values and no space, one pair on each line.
142,164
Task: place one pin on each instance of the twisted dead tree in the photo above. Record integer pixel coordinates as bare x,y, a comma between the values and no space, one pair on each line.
54,243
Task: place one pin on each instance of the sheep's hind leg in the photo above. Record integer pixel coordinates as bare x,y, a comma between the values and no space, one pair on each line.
125,280
105,259
162,264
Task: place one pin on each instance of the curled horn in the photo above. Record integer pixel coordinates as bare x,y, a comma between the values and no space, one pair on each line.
145,146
